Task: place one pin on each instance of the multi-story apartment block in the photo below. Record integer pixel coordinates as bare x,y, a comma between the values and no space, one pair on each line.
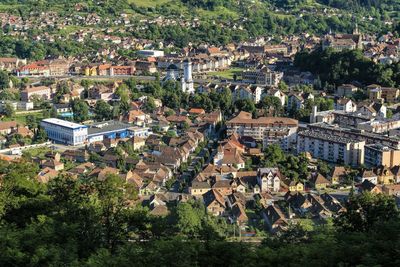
268,130
262,75
360,135
387,94
43,92
377,155
331,148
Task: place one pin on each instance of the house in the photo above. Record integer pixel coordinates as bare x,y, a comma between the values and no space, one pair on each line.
137,142
6,127
214,202
238,214
80,155
369,175
196,111
345,104
296,186
298,202
274,218
199,188
269,179
296,101
385,175
392,190
230,157
319,181
224,187
338,174
46,174
346,90
53,164
367,186
279,94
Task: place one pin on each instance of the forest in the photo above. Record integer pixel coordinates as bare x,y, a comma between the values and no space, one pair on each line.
337,68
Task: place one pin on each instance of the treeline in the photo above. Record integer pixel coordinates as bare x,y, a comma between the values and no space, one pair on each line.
347,66
91,222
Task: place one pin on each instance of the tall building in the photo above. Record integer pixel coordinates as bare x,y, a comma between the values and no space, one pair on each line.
332,148
268,130
187,80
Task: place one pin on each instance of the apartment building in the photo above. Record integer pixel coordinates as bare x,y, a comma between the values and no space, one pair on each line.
326,146
262,75
377,155
379,93
268,130
43,92
368,137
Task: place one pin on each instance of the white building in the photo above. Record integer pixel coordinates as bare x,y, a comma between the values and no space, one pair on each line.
150,53
64,131
269,179
330,147
187,80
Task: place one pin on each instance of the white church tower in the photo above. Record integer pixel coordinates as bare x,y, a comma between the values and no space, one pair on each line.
187,80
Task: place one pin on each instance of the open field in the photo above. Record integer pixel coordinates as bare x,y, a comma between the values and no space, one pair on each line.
227,74
149,3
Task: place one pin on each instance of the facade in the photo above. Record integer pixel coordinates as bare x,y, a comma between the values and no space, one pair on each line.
97,132
40,91
346,90
150,53
249,92
378,155
262,75
387,94
269,179
65,132
329,147
268,130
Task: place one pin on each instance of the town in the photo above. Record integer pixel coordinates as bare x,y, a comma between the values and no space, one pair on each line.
246,140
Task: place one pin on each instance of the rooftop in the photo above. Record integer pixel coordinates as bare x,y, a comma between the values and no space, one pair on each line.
62,123
107,126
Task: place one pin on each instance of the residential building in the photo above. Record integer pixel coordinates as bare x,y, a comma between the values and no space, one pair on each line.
268,130
378,155
345,104
346,90
43,92
262,75
331,148
269,179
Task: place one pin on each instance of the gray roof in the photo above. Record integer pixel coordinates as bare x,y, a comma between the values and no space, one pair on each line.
107,126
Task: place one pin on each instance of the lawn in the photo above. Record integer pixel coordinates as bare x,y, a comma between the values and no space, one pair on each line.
22,117
149,3
227,74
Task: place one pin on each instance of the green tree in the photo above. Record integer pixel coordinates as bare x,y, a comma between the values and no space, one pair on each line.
80,109
102,111
4,80
9,110
367,211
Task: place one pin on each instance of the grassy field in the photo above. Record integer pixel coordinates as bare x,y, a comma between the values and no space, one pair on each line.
22,117
217,13
149,3
227,74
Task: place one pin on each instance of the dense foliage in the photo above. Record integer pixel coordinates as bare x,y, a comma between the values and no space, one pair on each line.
348,66
75,222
